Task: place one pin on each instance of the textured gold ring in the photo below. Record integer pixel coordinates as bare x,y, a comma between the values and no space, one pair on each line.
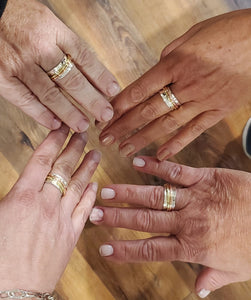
62,69
57,181
169,98
169,200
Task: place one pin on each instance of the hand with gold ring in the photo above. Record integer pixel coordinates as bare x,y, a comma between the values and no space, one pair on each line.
42,63
206,213
208,71
44,214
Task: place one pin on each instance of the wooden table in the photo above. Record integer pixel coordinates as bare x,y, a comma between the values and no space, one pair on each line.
128,36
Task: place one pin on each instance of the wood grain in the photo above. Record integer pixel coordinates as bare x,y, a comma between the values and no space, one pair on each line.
128,36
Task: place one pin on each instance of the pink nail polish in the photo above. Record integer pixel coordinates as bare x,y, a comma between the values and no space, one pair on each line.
107,139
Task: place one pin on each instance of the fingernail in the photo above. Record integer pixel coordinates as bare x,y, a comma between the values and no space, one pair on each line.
96,215
107,193
127,150
84,135
113,89
56,124
106,250
164,154
138,162
107,114
95,187
83,125
96,156
107,139
203,293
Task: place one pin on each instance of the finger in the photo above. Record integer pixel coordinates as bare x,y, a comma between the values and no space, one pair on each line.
135,118
145,87
51,97
66,163
80,180
140,219
83,209
22,97
88,64
153,249
43,158
80,89
147,196
189,133
211,279
159,128
169,171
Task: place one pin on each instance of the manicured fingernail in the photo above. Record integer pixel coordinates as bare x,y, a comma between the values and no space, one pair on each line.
96,156
127,150
95,187
96,215
203,293
107,114
164,154
84,135
107,139
83,125
107,193
138,162
106,250
56,123
113,89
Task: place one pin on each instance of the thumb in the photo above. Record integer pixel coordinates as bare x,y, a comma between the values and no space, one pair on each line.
211,279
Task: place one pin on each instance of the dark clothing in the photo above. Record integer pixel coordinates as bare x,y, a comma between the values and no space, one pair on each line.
2,6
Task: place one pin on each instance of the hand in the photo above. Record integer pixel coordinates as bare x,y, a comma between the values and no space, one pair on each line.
208,70
33,41
38,227
210,225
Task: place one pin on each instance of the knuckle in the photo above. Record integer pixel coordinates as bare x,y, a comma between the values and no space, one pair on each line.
169,123
43,160
156,197
116,216
137,93
176,172
144,219
197,129
50,96
149,111
76,186
75,81
26,197
63,168
85,56
148,251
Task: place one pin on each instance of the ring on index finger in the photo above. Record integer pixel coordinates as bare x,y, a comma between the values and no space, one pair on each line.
169,200
62,69
169,98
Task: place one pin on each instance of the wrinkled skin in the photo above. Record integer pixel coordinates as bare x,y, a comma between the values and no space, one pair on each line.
38,228
210,224
33,41
208,70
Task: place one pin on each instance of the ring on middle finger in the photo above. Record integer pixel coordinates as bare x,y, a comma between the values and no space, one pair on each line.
169,98
169,200
62,69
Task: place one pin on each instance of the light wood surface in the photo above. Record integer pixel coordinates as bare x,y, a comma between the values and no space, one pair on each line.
128,36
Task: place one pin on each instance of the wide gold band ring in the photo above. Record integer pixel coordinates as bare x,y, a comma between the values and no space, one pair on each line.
169,200
169,98
62,69
57,181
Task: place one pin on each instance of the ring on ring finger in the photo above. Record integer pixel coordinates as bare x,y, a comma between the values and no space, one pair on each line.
62,69
58,181
169,98
169,200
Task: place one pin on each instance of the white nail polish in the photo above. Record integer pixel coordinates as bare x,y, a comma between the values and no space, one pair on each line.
95,187
107,193
203,293
106,250
138,162
96,215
